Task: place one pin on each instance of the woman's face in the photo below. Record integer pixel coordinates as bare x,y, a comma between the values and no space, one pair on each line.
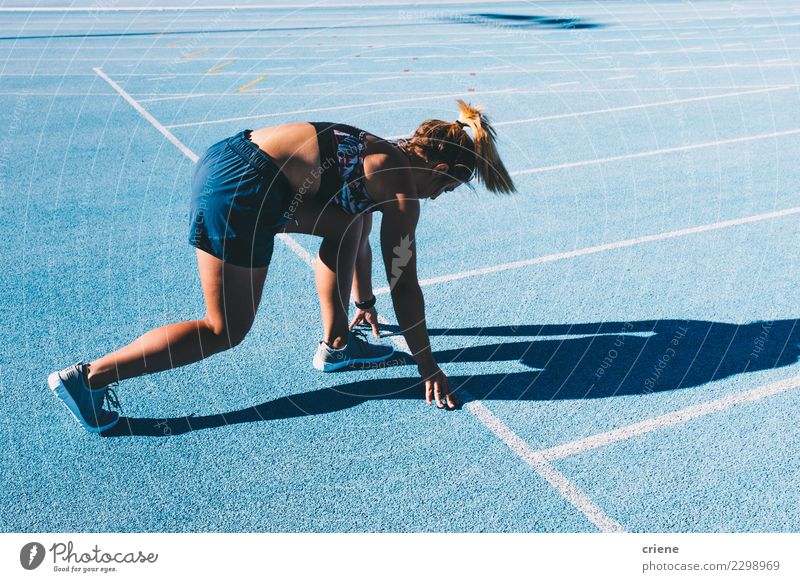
441,181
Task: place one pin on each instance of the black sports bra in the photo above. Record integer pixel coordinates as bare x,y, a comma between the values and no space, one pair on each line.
341,155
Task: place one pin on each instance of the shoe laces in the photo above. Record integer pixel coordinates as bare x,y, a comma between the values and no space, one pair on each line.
111,396
359,334
361,339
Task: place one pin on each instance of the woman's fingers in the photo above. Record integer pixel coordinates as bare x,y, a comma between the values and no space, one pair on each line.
437,389
448,399
451,401
374,325
368,317
437,393
357,319
371,318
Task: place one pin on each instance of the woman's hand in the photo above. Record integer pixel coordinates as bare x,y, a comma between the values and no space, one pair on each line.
367,317
437,389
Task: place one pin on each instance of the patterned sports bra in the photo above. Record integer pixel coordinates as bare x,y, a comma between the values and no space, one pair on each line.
341,154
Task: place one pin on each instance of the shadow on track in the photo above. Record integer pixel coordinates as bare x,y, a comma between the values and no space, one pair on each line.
570,361
521,21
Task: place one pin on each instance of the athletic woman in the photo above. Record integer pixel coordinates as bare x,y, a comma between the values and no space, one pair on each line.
314,178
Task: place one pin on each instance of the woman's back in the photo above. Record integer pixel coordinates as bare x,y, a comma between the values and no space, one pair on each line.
330,160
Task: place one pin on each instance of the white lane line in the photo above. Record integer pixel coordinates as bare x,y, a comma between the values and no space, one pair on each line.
203,8
153,121
658,152
501,123
566,488
298,249
362,45
167,96
666,420
544,468
339,107
173,97
288,240
394,78
642,105
464,72
108,59
566,84
601,248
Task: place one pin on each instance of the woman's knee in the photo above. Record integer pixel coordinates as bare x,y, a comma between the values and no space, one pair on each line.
228,334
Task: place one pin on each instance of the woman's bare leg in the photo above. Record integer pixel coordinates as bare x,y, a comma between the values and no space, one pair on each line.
232,295
333,273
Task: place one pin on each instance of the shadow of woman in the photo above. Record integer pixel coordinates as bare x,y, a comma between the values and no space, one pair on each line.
566,361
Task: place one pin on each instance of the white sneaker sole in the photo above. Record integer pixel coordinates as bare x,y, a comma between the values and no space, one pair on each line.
60,391
333,366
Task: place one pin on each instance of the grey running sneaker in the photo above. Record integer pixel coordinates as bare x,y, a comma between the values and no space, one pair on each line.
85,404
357,351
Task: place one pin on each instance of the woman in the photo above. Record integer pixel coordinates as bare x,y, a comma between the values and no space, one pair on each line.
314,178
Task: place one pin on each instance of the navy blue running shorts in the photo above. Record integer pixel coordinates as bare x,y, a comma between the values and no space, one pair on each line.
239,198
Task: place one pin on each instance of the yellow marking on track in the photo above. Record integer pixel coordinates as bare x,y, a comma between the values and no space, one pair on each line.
219,66
250,84
195,54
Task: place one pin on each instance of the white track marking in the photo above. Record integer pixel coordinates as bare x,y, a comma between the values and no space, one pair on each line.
170,96
659,152
339,107
288,240
494,43
544,468
153,121
667,420
523,450
298,249
464,72
642,105
244,7
272,58
650,18
173,97
601,248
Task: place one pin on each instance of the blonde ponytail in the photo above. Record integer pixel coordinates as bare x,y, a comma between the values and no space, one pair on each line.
488,165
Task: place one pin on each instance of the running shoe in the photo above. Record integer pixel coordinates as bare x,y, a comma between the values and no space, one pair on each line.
357,351
85,404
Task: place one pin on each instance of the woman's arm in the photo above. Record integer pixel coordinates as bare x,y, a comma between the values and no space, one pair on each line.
362,279
398,230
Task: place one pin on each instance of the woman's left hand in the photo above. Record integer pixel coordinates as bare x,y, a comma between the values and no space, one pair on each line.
367,317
